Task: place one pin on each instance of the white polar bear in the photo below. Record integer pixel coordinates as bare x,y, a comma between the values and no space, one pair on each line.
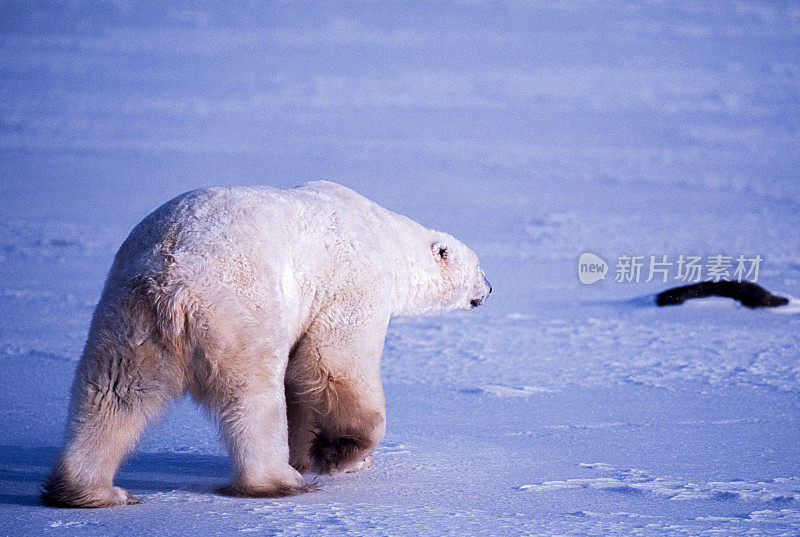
270,308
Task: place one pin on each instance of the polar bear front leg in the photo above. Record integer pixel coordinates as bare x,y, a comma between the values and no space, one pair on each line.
337,413
349,433
302,435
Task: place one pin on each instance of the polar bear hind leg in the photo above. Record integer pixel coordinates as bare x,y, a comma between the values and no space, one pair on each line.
300,418
240,380
124,378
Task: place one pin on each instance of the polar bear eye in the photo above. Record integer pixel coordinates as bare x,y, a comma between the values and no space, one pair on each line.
439,251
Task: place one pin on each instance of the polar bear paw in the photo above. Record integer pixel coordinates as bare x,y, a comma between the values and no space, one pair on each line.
340,455
270,489
57,495
363,464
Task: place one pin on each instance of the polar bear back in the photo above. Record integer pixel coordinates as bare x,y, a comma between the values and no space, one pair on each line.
281,252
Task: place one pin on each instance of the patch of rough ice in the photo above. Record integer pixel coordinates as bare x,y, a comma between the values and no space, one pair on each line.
507,391
500,354
764,515
182,450
589,426
619,514
596,466
50,240
791,515
638,481
732,421
25,293
180,496
392,449
71,523
31,294
10,350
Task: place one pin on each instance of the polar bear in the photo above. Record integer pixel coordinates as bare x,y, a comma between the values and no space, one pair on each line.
270,308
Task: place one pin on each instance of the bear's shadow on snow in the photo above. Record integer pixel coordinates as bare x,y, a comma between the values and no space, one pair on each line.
25,468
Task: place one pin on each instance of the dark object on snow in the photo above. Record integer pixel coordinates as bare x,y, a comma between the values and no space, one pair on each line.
748,293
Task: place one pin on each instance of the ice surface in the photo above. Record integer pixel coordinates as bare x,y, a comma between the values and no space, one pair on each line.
534,132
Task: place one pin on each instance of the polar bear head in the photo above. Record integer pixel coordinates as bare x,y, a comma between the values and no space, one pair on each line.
445,276
460,282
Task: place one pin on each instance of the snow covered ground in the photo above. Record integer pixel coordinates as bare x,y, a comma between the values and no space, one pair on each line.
532,132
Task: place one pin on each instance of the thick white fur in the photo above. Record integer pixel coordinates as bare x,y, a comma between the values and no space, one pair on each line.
270,308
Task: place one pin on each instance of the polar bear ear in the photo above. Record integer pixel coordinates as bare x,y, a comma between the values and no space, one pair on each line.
439,250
